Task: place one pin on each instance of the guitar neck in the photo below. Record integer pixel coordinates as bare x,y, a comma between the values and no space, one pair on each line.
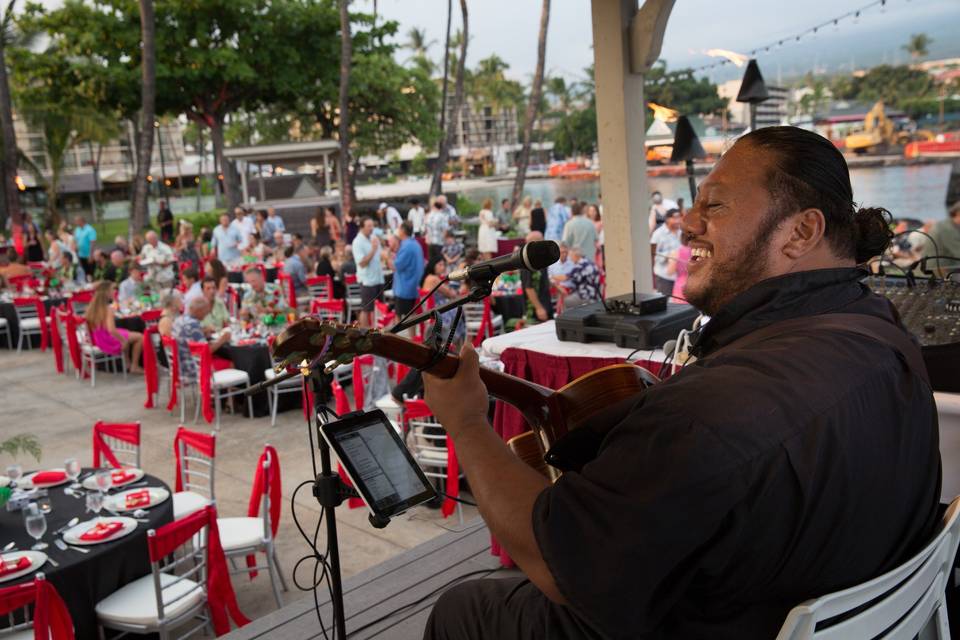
528,397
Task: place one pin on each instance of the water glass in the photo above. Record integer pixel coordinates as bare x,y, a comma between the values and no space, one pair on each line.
95,502
14,471
72,467
104,481
36,524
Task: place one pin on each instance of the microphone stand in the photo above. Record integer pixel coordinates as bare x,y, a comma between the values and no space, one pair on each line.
478,291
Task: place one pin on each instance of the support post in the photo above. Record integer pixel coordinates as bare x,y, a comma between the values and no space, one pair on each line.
242,166
626,42
326,174
263,192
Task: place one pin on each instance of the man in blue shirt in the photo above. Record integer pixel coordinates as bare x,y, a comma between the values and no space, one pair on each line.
85,236
407,270
296,267
366,251
226,240
557,216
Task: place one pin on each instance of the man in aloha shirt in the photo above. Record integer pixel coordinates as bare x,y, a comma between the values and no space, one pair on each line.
584,280
261,296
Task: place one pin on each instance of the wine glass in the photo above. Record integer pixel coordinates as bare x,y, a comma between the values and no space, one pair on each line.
104,482
14,471
95,502
72,467
36,524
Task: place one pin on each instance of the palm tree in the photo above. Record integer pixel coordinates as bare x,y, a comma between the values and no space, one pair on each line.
11,193
448,129
531,115
562,93
139,211
436,182
346,54
417,42
918,45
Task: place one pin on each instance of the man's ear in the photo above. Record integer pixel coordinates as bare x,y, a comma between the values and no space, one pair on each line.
806,229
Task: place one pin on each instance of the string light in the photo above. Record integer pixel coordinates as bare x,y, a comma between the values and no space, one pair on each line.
811,31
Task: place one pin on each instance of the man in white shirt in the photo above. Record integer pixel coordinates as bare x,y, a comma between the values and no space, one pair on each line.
658,209
244,224
366,252
667,239
158,257
415,216
453,220
131,287
190,280
580,232
394,219
274,223
227,240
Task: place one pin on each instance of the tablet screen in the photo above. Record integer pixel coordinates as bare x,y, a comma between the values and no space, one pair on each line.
381,468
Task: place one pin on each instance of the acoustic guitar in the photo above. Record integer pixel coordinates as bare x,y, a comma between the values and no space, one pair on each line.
552,415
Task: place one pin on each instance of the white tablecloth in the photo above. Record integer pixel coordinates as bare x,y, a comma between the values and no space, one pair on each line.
542,338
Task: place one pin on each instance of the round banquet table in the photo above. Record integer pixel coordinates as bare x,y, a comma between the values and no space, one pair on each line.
8,312
236,277
255,360
131,323
83,579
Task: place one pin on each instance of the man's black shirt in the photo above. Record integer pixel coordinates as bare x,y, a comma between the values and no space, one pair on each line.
750,481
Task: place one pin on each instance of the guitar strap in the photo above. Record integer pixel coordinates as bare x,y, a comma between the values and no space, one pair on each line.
868,326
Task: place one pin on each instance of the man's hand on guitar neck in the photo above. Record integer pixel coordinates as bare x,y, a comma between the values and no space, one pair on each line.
504,486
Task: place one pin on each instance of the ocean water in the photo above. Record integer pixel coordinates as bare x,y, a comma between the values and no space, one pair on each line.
908,192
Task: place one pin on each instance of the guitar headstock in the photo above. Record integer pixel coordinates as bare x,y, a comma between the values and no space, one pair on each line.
310,337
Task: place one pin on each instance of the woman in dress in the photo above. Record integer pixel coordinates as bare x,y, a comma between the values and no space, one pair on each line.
351,227
185,246
538,218
215,269
319,233
31,239
522,215
488,233
435,272
333,224
104,332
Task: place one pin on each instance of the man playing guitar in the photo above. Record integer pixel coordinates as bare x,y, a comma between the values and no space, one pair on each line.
796,456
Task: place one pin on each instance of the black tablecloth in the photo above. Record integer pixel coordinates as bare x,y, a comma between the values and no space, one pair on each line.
255,360
236,277
83,579
131,323
509,306
7,311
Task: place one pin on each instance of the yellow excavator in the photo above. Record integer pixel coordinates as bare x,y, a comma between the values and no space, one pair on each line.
879,133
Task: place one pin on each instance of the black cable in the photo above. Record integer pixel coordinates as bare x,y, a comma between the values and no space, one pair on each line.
486,573
460,500
923,233
422,300
318,558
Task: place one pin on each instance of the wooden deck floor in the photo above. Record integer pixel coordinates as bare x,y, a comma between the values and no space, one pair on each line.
388,590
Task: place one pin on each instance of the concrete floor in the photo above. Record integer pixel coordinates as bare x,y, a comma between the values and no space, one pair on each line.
61,410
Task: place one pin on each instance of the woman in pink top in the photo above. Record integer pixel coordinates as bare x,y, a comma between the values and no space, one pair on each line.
103,328
679,266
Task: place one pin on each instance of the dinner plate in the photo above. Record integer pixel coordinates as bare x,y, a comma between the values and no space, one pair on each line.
118,502
37,560
26,482
91,483
72,535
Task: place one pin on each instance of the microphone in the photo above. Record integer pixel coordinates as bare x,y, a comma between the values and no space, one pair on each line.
532,256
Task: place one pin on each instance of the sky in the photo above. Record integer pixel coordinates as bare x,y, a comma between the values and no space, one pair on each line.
509,29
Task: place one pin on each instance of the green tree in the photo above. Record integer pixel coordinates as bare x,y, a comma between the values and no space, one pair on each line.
681,91
918,45
9,176
139,211
576,130
532,106
347,189
488,85
448,128
419,44
894,85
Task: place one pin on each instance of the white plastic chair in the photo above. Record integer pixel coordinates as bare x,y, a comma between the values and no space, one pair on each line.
92,355
903,603
427,442
225,383
473,315
126,453
5,332
292,385
173,594
354,297
245,536
20,621
196,479
29,322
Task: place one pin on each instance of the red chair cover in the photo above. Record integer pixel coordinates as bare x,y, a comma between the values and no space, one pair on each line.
55,340
70,321
326,282
263,484
152,316
205,374
359,391
221,599
80,296
19,282
171,346
486,324
125,431
202,442
385,316
151,375
332,305
51,619
414,409
286,282
343,408
37,303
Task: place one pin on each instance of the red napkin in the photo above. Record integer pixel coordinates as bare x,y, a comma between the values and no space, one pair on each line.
102,530
121,475
48,477
138,499
19,564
